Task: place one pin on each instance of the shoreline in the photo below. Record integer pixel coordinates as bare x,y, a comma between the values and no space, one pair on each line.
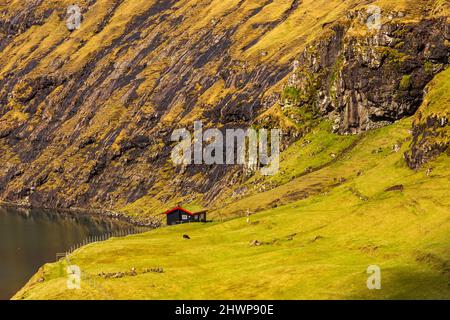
151,223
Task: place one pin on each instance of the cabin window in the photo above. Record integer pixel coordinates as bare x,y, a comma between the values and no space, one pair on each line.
184,217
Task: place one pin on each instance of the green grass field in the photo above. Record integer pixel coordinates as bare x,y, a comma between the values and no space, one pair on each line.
315,248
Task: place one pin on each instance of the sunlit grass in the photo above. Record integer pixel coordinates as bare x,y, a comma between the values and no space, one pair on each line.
317,248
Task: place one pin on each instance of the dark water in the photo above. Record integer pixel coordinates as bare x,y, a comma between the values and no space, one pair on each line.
31,238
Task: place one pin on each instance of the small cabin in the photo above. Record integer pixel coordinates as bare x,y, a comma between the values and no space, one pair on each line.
179,215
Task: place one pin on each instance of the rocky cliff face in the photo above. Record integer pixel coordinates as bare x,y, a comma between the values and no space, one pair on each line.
431,128
366,81
86,115
430,139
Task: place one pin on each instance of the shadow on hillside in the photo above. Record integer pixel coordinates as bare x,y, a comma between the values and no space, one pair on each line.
406,283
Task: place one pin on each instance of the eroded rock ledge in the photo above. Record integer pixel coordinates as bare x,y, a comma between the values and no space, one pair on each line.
367,81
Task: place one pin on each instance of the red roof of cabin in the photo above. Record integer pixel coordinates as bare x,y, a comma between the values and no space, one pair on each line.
178,208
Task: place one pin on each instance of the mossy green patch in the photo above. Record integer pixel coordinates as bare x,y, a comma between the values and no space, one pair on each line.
405,83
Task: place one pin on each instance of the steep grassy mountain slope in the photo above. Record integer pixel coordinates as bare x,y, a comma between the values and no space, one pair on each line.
377,212
86,115
364,177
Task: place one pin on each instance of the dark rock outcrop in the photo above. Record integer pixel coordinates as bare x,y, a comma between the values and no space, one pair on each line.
430,139
363,82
